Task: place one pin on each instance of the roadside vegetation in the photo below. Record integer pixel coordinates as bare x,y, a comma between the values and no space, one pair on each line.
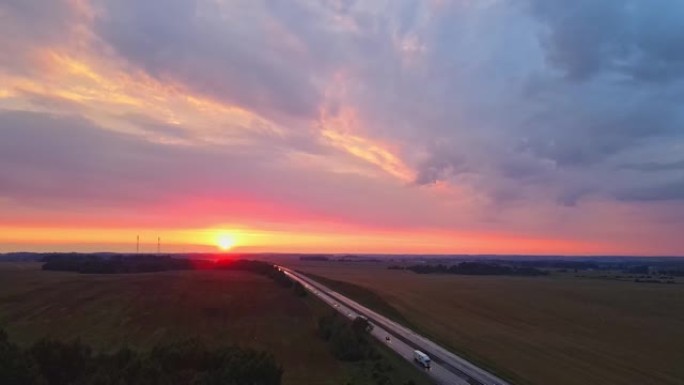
362,295
349,341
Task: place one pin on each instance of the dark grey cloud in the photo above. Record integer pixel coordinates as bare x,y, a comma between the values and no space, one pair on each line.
672,191
655,166
490,91
642,39
588,134
440,165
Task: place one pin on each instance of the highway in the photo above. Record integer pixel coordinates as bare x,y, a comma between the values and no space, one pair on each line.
447,368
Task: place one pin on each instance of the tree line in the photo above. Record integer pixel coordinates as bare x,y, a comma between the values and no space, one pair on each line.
131,264
473,268
115,264
51,362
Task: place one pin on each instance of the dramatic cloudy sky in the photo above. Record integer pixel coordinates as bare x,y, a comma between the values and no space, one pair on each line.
465,126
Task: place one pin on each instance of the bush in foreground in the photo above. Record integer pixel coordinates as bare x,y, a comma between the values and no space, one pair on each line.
50,362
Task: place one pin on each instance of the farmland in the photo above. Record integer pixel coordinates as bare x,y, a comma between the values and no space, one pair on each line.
141,310
532,330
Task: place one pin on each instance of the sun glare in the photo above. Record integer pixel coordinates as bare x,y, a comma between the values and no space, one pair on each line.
225,242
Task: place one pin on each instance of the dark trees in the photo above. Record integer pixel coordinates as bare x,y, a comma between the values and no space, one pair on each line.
476,268
51,362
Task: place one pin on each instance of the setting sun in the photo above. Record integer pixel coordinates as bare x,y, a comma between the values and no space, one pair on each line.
225,242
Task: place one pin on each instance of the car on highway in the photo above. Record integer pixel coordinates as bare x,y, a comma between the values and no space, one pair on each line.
422,359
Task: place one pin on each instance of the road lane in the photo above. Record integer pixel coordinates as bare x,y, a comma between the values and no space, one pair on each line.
447,367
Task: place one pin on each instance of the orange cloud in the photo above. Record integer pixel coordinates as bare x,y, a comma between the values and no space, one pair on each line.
343,128
105,93
373,152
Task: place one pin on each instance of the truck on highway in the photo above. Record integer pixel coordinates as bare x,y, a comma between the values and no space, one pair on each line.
421,358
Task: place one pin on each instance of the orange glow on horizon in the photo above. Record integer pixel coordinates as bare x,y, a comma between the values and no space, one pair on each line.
364,241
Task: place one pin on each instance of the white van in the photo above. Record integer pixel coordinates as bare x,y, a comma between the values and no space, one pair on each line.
421,358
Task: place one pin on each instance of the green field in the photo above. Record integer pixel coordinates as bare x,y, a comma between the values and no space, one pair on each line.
557,330
141,310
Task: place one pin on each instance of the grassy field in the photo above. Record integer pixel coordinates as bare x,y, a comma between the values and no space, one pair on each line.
542,330
140,310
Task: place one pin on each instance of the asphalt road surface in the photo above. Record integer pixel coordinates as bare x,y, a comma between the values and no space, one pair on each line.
446,368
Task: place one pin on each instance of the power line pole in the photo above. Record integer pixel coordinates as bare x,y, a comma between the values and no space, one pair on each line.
158,245
137,244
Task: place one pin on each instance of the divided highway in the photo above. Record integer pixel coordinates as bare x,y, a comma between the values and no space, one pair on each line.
447,368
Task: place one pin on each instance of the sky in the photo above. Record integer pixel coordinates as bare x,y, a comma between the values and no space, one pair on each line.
395,126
